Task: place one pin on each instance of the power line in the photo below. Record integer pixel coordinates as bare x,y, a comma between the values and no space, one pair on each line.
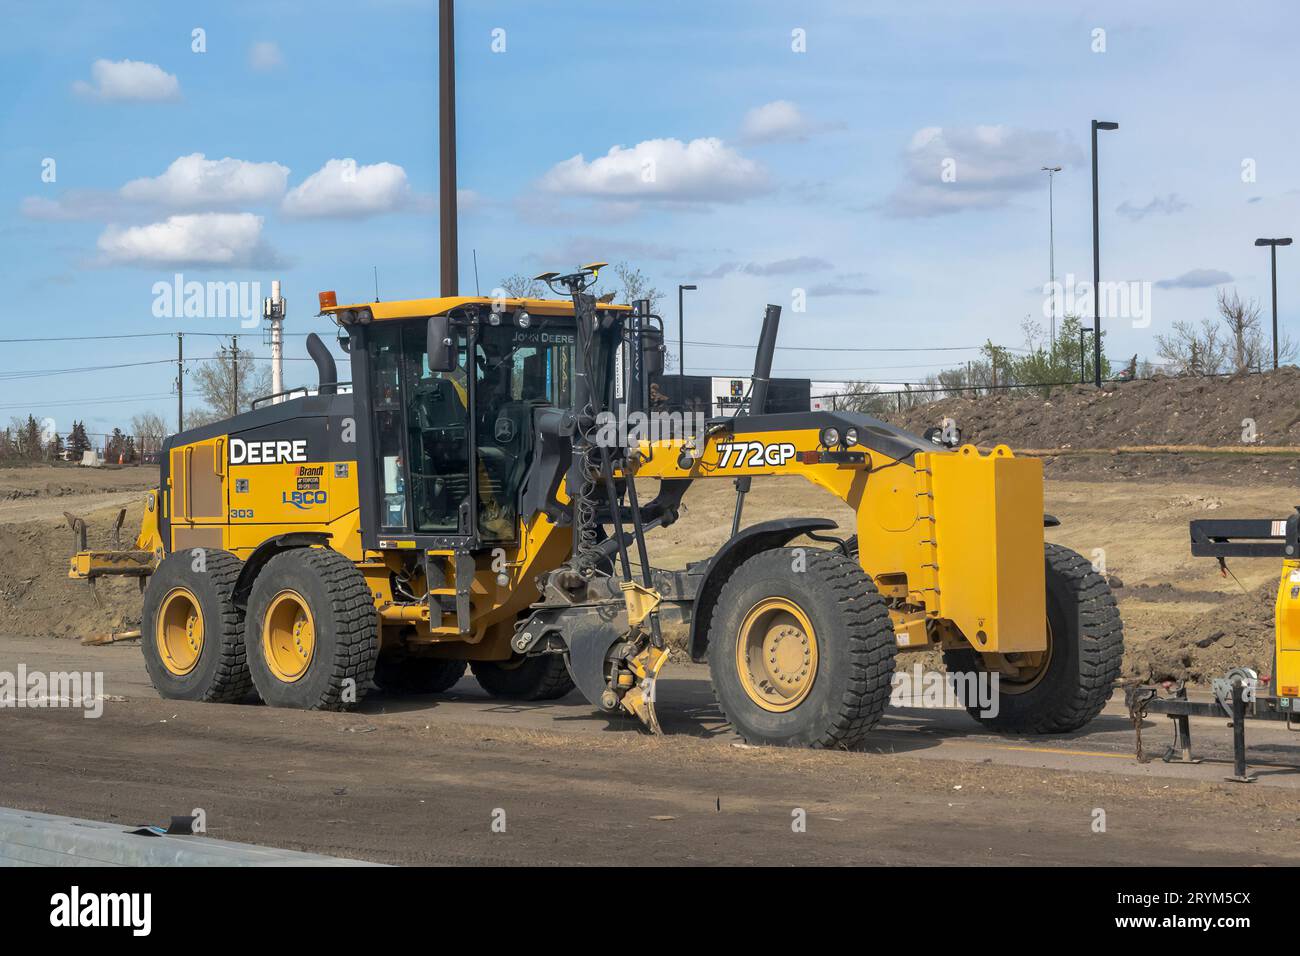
17,375
134,335
60,403
835,348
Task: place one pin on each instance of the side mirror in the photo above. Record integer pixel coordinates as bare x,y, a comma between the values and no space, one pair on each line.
652,352
438,344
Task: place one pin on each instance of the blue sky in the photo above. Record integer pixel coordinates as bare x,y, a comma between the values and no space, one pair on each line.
302,144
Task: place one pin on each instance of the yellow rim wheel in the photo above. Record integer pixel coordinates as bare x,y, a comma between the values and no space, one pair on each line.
1021,672
179,631
776,654
288,636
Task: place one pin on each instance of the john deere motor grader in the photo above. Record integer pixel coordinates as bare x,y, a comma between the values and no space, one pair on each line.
466,503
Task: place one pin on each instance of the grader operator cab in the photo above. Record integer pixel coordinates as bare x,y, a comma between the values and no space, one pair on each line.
472,502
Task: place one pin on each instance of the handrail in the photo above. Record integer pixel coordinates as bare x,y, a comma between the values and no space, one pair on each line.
305,390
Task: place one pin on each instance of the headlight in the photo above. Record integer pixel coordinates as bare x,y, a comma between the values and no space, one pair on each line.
850,437
830,437
524,319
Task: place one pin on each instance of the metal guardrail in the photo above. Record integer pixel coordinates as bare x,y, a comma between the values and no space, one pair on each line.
343,388
28,838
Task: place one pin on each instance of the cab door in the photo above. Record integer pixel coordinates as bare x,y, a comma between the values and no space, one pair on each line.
420,424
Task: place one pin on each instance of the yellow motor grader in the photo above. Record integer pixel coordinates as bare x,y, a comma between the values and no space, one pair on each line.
476,501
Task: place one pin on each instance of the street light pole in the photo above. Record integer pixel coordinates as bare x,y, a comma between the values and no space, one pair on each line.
448,240
1083,375
1096,258
1051,247
681,346
1273,244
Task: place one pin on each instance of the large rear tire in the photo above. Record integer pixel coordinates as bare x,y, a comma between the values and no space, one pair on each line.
524,678
801,650
191,631
1070,685
312,631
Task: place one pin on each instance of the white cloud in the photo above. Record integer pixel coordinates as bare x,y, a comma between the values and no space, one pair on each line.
129,80
793,266
345,190
194,180
703,170
602,248
76,205
1197,279
202,239
265,55
778,121
974,167
1159,205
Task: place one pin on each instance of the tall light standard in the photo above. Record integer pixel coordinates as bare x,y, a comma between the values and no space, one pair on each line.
1096,258
681,346
1051,246
1273,244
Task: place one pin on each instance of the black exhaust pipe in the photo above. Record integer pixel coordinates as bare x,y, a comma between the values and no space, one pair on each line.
758,395
327,372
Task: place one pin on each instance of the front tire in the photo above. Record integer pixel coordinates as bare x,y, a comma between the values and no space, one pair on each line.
801,650
311,631
1086,647
192,634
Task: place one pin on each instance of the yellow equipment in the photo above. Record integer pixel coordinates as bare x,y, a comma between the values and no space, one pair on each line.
1241,694
475,500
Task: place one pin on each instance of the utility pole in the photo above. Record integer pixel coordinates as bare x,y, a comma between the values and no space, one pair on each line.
234,373
1096,257
234,370
447,237
1273,244
1051,246
180,382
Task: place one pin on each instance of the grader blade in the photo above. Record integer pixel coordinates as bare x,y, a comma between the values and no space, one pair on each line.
88,565
640,700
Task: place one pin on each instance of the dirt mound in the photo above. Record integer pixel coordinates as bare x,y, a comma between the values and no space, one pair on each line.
38,598
1239,632
1160,411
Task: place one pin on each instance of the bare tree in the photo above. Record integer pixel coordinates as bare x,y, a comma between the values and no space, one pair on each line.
228,385
632,285
149,430
863,397
954,380
1192,349
1245,340
519,286
1250,347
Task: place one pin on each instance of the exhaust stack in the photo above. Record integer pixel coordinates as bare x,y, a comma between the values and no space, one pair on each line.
758,395
327,372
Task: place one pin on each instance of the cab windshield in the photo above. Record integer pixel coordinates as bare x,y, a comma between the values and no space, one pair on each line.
422,418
